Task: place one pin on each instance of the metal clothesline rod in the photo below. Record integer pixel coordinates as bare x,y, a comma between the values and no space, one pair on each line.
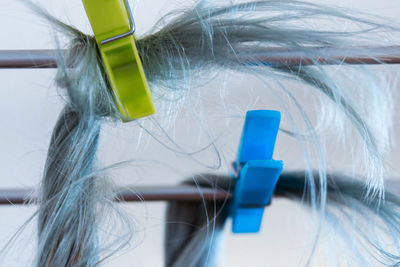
10,59
131,194
152,193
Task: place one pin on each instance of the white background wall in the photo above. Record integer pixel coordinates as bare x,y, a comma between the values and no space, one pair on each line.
29,105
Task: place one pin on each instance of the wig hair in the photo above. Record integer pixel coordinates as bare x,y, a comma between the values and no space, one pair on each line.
194,44
194,228
369,230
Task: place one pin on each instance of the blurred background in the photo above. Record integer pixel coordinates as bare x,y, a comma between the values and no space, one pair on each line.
30,104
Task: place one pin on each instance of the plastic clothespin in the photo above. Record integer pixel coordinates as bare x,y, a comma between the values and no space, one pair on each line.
258,172
113,26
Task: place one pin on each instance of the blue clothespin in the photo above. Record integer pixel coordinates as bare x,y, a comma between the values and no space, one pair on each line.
258,172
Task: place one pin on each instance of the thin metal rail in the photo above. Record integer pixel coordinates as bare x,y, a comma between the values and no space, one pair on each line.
131,194
11,59
152,193
25,59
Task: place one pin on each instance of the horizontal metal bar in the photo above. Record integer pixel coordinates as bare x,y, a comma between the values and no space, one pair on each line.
10,59
131,194
16,59
152,193
328,55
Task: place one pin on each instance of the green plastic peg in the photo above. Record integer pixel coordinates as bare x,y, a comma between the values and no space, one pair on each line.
110,18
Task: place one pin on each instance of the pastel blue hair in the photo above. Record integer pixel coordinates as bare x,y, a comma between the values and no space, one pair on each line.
193,43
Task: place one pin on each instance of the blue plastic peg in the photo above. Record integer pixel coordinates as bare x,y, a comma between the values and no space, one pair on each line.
258,172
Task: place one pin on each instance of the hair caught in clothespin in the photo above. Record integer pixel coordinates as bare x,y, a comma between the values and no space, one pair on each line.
257,172
113,26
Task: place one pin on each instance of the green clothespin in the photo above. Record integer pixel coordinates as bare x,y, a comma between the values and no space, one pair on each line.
113,26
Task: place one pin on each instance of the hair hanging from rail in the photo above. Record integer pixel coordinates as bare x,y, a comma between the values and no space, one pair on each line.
193,44
368,229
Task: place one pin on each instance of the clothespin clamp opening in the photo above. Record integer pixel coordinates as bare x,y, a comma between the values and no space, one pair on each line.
257,172
113,26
